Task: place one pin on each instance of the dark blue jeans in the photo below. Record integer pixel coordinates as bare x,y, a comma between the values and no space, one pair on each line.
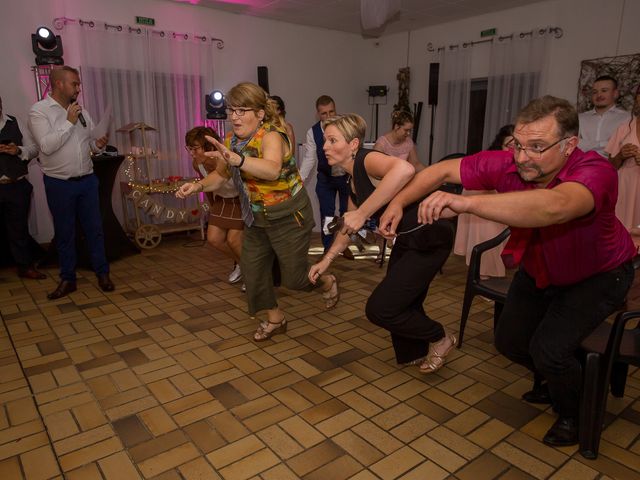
326,189
542,328
67,201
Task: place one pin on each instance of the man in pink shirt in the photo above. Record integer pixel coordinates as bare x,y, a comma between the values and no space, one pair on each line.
574,254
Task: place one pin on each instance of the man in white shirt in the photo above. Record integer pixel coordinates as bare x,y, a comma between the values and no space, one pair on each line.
15,192
331,180
63,132
598,124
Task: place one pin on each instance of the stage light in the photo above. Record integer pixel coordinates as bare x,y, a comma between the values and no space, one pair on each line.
47,47
215,105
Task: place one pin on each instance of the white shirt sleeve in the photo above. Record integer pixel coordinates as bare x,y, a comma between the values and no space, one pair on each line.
28,149
48,139
309,156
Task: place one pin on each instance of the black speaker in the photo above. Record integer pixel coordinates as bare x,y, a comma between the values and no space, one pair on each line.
263,78
434,74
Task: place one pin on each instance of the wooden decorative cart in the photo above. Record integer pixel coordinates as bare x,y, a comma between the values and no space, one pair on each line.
146,216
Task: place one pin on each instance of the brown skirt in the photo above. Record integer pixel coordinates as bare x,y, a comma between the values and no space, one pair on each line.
225,213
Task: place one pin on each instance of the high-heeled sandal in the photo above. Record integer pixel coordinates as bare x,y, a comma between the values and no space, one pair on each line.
417,361
262,333
434,361
331,296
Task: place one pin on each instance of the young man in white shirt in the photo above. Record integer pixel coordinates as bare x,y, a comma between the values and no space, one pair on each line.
599,123
63,133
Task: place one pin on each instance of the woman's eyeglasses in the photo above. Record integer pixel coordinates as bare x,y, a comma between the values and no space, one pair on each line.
237,110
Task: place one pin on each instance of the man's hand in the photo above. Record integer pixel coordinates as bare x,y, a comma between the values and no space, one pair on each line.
389,221
442,205
102,142
11,149
73,111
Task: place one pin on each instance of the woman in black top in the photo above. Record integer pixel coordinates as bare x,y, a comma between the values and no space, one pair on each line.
418,254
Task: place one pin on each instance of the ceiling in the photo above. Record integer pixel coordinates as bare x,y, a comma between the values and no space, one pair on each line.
344,15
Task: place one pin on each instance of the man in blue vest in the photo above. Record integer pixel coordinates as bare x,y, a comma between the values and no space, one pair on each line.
331,180
15,193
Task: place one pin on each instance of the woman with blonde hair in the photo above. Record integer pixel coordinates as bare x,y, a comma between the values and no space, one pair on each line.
278,217
397,142
396,304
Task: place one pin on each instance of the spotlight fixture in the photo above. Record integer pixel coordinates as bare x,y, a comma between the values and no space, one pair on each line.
47,47
215,105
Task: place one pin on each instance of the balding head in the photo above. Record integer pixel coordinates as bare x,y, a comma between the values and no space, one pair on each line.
65,84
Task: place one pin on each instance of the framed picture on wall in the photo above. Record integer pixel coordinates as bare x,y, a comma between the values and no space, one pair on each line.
624,68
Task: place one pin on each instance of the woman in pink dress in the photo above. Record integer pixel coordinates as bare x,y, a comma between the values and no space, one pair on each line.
624,153
473,230
397,142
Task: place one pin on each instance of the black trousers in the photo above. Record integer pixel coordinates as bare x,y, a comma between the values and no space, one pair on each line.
396,304
15,200
542,328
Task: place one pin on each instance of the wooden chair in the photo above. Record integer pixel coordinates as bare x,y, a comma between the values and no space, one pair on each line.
494,288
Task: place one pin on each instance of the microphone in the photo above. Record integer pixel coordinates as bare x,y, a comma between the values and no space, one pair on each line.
82,120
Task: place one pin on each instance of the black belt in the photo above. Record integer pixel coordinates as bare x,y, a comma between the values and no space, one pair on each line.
76,179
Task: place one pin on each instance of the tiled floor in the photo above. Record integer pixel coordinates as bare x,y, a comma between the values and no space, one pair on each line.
161,379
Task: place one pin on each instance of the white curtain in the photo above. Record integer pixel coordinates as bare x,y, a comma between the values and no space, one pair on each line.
145,76
452,114
517,68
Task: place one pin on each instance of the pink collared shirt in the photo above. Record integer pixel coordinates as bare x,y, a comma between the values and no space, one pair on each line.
575,250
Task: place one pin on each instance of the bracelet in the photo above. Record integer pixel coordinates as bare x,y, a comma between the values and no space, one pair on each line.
241,159
201,186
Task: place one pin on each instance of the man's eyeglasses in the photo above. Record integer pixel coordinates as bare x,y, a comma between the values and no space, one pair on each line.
238,111
535,151
192,148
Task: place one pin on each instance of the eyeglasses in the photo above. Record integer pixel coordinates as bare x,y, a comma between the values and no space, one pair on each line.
193,148
237,110
535,151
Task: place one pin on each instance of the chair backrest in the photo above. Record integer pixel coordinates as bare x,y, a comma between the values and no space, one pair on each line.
479,249
451,187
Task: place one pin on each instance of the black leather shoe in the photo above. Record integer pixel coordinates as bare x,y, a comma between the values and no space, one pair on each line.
105,283
31,273
65,287
539,394
563,433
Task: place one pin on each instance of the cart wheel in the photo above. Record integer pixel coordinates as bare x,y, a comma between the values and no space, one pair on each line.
148,236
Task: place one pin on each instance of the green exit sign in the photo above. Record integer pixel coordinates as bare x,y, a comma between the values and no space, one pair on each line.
146,21
488,32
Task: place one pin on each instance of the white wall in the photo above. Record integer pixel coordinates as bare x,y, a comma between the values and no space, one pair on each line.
305,62
591,30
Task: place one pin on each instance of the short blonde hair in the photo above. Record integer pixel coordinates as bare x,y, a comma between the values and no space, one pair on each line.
350,125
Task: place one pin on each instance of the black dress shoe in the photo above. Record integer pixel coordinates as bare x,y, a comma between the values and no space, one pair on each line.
563,433
31,273
65,287
105,283
539,394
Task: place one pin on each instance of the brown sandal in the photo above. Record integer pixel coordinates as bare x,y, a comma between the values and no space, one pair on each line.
331,296
263,333
434,361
